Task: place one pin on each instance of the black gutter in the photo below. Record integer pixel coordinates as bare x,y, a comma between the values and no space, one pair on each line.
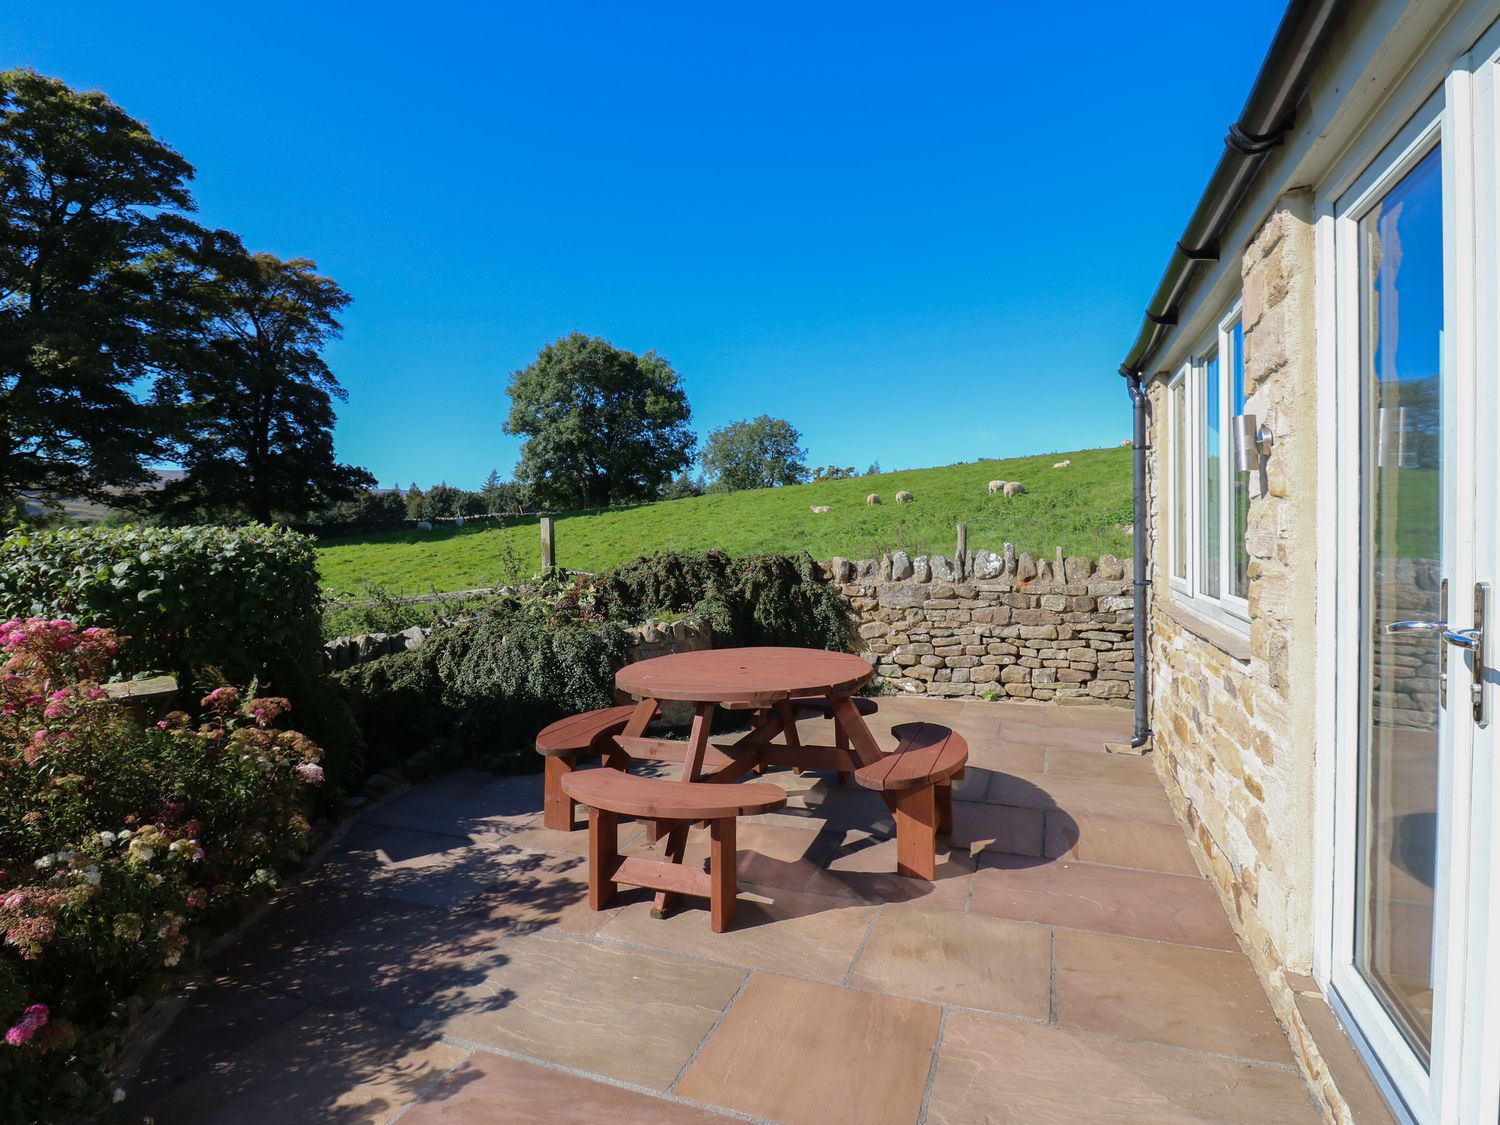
1142,584
1263,124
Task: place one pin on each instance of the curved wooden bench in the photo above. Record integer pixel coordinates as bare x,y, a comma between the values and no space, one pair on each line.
562,743
916,780
610,795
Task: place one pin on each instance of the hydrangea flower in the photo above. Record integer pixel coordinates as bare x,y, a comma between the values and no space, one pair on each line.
32,1020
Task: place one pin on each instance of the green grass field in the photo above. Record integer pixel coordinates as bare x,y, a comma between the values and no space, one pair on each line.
1085,509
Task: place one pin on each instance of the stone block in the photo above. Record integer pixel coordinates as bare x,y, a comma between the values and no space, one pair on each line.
901,568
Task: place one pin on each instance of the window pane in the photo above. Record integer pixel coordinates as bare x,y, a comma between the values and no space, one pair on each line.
1179,481
1401,555
1211,529
1240,495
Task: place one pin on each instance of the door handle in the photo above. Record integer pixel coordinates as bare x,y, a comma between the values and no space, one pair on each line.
1470,640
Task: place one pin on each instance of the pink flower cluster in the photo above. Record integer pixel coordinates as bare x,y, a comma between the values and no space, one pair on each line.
221,699
310,773
33,1020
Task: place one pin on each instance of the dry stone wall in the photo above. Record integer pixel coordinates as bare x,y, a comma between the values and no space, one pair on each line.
995,624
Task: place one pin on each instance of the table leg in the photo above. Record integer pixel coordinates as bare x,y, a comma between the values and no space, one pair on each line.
866,749
672,853
788,716
692,762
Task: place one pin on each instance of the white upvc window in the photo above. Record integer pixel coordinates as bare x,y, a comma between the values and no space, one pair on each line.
1209,498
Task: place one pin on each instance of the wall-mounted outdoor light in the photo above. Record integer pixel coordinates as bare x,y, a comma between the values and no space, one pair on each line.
1252,443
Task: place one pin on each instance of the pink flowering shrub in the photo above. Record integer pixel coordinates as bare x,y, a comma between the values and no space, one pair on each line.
118,845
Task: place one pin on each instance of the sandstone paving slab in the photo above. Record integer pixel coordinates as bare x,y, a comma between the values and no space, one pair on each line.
461,812
863,867
321,1067
636,1015
1118,842
217,1019
490,1089
420,868
539,891
379,963
1082,896
803,1053
1204,999
1007,756
1123,768
979,828
993,1071
798,934
1081,796
949,957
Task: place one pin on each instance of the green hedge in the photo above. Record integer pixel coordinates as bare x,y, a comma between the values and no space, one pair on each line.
480,688
207,604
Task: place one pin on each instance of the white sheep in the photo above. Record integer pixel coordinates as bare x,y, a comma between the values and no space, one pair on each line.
1014,488
903,496
821,508
872,499
1063,464
996,486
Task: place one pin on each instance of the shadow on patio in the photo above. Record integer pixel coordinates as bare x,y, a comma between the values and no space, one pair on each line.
1068,963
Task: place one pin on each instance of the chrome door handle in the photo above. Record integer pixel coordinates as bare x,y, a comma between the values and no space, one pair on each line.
1470,639
1417,627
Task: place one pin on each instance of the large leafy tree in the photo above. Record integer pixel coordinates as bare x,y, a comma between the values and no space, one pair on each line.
92,227
602,425
254,393
756,454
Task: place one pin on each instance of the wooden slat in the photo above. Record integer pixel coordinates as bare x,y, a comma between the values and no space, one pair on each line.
670,800
673,750
576,733
927,753
661,876
810,757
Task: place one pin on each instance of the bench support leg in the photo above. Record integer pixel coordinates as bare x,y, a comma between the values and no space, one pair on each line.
604,856
916,833
841,740
944,808
557,808
721,873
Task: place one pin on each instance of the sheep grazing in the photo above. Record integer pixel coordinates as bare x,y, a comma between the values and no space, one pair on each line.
996,486
1014,488
872,499
821,508
903,497
1063,464
1127,441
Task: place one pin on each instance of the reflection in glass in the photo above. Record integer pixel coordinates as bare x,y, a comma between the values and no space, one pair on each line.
1239,496
1180,499
1212,500
1401,318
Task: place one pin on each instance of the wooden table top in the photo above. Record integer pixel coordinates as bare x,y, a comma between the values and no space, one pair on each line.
757,676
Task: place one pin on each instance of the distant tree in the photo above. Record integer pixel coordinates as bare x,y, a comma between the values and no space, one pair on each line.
255,394
444,501
756,454
416,503
492,485
602,425
92,229
682,486
873,470
834,472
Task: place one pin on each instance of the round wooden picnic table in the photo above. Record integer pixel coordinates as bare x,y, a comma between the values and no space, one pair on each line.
753,677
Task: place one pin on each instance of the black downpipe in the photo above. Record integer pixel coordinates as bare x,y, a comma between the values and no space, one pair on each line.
1142,587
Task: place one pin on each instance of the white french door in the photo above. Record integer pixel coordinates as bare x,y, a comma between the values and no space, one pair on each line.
1414,920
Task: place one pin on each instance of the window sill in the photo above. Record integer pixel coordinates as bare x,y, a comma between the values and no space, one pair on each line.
1234,645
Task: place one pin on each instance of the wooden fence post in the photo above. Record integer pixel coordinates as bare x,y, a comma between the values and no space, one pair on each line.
961,553
549,546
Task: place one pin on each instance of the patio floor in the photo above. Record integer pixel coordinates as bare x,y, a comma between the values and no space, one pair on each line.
1068,964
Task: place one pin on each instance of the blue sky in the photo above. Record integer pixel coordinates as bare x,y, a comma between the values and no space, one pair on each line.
922,233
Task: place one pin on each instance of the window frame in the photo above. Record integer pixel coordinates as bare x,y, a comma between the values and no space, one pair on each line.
1190,589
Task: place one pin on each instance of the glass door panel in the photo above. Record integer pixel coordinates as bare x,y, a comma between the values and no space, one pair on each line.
1400,245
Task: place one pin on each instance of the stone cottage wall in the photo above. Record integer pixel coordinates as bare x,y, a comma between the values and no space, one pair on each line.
997,625
1234,721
